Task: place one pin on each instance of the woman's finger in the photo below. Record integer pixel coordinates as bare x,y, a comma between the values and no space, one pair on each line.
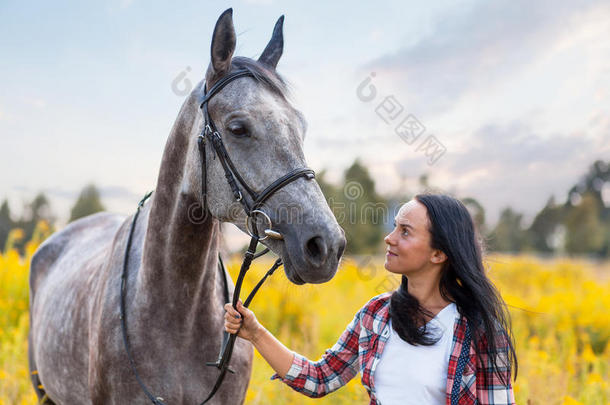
232,325
229,316
231,320
229,308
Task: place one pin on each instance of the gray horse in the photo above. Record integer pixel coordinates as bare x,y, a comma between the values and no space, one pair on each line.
175,291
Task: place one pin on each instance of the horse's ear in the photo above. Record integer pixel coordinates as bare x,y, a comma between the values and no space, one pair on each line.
223,44
272,53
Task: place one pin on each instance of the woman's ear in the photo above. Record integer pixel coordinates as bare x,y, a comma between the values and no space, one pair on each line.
438,256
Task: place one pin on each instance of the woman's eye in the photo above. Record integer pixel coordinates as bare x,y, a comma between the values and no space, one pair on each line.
238,130
404,230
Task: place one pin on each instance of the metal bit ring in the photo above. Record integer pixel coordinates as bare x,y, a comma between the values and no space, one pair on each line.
249,220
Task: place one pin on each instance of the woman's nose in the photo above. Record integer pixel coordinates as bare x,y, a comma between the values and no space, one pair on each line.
387,239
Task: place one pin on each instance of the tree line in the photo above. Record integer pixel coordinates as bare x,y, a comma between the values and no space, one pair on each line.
578,226
39,209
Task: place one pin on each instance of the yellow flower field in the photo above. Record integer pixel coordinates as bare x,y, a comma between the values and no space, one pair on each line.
559,310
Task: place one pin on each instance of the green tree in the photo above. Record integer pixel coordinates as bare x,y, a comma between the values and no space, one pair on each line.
6,223
477,212
593,183
508,235
544,227
362,212
424,181
37,210
88,203
605,250
330,191
585,232
596,185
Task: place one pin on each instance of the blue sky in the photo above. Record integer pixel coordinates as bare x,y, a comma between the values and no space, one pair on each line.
517,92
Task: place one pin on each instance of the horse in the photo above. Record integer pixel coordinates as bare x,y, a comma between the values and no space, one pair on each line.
174,291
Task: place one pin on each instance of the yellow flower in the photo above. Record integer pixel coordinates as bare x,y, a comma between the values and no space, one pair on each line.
568,400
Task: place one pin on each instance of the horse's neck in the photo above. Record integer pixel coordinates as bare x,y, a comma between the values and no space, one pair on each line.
180,254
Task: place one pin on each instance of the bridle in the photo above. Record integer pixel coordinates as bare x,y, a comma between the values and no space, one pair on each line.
210,134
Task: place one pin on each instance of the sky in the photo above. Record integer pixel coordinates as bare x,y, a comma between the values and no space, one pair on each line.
505,101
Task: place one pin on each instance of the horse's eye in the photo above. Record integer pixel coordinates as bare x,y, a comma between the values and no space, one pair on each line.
238,130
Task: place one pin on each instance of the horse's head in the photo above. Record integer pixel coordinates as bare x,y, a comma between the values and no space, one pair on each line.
263,136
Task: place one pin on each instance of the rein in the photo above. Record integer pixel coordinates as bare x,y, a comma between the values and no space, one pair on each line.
252,209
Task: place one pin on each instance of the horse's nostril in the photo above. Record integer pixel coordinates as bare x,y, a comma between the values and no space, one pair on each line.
316,248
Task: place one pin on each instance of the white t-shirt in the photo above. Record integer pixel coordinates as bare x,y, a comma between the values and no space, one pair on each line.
408,374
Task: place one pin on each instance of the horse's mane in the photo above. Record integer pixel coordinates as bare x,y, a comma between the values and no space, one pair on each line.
263,74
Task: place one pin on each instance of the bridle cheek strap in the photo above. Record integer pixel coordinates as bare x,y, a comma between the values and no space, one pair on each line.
234,179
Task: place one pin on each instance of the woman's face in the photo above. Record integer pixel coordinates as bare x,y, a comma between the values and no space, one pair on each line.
408,249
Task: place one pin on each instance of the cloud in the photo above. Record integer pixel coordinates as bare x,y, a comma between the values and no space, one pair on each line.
512,164
481,47
516,146
518,93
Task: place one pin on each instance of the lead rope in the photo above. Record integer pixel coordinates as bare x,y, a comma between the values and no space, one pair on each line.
226,351
154,399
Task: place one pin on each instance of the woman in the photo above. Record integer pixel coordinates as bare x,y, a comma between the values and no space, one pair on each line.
443,337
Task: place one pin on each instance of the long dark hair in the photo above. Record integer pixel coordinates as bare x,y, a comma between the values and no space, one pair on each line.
463,281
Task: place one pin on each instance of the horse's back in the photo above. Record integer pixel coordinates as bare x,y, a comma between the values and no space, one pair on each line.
82,239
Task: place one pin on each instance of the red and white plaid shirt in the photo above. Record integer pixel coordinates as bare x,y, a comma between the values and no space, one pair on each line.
359,349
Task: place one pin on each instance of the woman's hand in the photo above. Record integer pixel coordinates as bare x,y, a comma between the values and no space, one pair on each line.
244,322
247,327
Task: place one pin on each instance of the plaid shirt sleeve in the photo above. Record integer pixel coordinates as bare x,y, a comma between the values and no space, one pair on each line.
490,388
337,366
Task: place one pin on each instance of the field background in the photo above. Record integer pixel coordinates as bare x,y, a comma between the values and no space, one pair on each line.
559,310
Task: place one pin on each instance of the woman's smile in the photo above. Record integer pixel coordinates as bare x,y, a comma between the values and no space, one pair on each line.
390,254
